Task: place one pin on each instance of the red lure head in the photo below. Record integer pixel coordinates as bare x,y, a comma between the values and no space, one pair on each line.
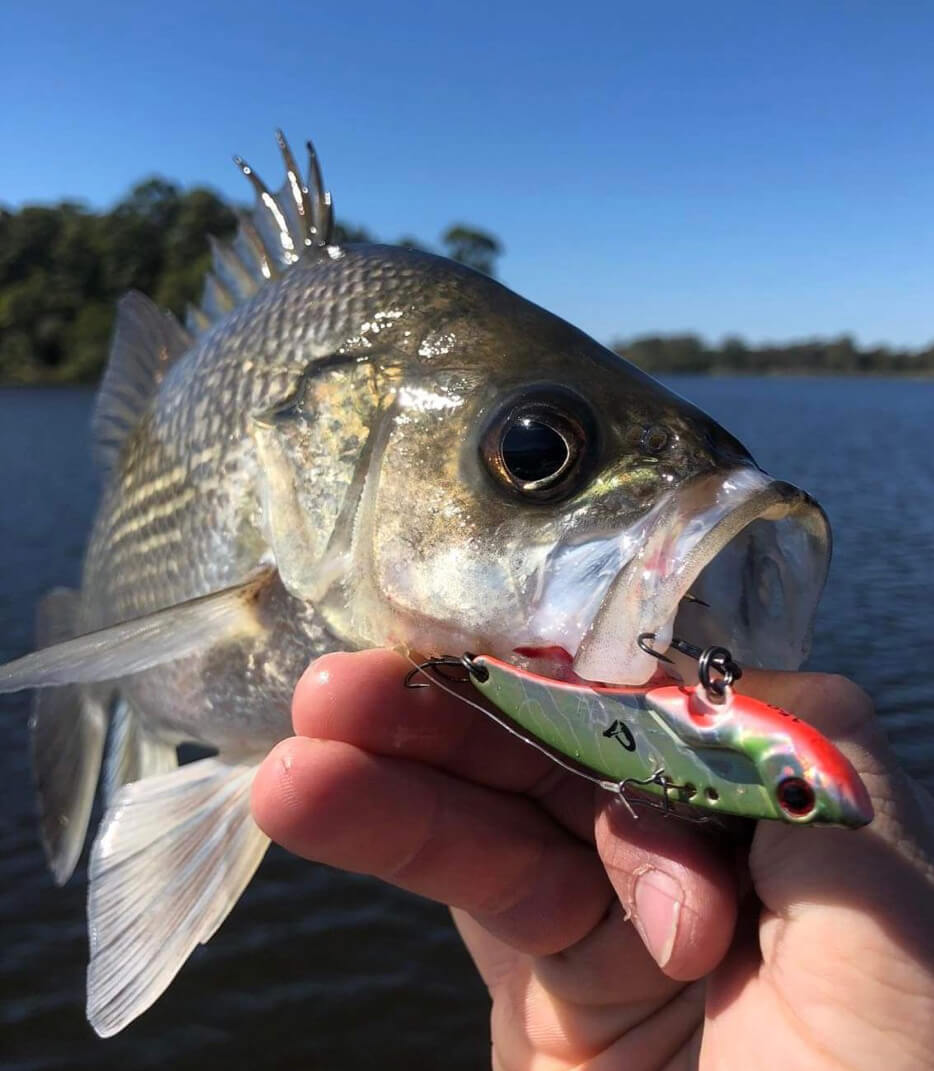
810,777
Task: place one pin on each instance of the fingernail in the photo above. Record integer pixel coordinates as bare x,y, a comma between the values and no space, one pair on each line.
656,910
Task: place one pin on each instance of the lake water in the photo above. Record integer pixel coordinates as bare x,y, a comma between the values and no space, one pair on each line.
318,969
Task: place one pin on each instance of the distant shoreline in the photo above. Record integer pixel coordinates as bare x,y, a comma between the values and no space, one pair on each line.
840,356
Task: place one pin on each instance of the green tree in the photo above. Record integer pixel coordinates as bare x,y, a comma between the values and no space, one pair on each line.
186,252
475,248
347,234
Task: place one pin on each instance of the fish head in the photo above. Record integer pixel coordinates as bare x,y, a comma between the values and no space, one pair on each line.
526,487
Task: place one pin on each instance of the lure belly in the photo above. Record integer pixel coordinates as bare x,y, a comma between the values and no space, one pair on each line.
724,753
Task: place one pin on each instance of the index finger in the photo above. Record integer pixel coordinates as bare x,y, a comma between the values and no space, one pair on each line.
359,699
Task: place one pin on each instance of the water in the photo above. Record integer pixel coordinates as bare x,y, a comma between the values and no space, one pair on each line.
327,970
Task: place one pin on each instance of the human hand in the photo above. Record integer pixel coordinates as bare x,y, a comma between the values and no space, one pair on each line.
612,943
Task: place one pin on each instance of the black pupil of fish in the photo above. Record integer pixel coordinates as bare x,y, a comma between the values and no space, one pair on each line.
533,450
796,796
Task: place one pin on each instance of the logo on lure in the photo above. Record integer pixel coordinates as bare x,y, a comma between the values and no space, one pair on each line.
706,746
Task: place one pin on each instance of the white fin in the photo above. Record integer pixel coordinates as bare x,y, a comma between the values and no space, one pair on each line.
146,342
171,859
282,228
121,650
132,752
67,730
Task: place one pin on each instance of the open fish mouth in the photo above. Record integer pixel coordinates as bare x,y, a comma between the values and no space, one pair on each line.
756,552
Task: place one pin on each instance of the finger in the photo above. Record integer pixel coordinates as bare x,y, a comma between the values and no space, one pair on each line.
494,959
491,853
609,965
677,883
884,871
571,1003
359,698
845,714
847,916
532,1028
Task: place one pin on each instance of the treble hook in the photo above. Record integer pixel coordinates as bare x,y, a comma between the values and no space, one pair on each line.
644,645
464,662
661,778
708,658
688,597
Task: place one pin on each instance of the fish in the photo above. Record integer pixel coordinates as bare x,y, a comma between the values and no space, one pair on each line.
348,446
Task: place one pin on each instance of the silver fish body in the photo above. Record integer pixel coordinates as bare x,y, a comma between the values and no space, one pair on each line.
183,515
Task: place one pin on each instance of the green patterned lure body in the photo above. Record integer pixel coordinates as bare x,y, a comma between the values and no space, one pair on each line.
735,756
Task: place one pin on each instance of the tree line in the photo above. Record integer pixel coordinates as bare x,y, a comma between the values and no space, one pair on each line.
63,267
733,356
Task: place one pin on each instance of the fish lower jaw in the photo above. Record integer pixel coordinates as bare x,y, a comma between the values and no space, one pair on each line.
623,658
754,562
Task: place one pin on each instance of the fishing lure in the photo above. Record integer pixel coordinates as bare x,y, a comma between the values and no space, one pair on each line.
669,744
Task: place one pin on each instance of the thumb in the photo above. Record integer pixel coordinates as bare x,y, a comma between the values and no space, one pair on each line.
881,875
677,883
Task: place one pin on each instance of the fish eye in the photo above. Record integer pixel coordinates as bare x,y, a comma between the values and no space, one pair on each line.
537,446
535,449
796,797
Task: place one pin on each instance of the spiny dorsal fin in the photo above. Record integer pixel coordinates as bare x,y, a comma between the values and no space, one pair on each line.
146,342
281,228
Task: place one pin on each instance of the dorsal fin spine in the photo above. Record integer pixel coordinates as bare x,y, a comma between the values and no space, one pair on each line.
229,269
217,300
323,204
282,228
298,189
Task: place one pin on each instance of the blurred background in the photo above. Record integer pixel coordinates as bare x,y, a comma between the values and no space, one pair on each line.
737,197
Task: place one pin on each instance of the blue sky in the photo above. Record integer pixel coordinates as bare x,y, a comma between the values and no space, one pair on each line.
760,169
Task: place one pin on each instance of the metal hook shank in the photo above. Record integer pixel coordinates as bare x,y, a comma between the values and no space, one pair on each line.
438,664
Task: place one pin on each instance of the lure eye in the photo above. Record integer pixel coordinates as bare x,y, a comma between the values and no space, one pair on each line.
537,448
796,797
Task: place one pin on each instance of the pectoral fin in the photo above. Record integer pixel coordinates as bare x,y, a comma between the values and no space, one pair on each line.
130,647
171,859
